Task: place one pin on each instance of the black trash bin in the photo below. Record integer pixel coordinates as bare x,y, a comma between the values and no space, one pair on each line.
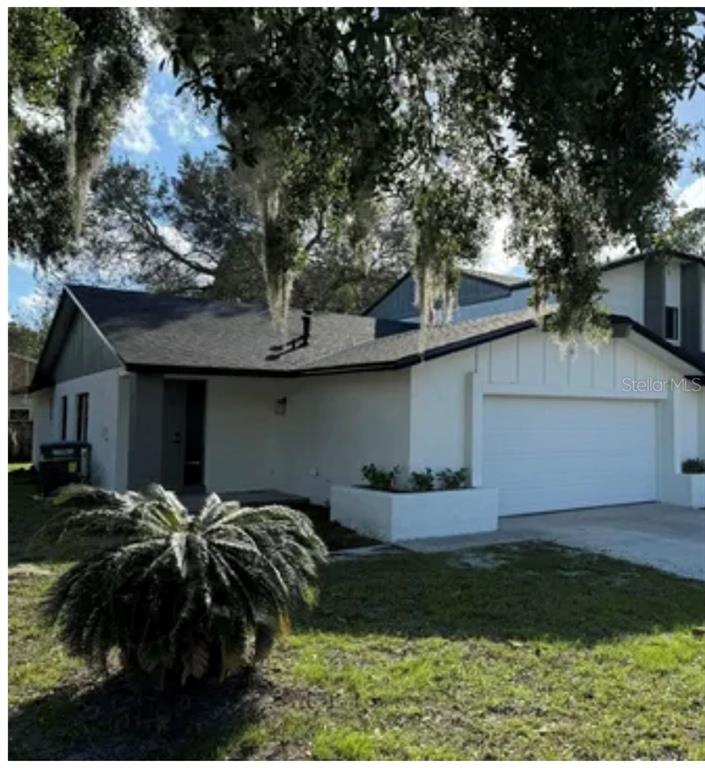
63,463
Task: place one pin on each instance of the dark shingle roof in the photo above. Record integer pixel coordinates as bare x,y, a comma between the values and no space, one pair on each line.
169,331
417,345
163,332
166,333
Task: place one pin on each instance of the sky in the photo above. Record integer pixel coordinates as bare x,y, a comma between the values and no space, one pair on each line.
157,128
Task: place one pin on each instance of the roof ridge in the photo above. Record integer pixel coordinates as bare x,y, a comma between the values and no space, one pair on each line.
503,318
254,305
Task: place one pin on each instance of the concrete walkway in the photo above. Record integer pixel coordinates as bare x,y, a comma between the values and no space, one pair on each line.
664,536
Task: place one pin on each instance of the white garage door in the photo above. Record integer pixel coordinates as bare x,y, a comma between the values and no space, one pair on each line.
563,453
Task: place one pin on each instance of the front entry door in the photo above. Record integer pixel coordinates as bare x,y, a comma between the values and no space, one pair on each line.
182,448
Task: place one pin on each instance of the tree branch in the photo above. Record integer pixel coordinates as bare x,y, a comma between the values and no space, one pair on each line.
316,238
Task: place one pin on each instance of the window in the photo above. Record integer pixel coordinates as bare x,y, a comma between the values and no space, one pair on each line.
82,417
64,416
672,323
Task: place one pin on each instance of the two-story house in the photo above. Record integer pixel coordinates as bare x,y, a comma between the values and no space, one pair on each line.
205,393
663,294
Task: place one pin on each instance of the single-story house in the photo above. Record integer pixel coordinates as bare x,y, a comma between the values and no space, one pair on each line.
198,393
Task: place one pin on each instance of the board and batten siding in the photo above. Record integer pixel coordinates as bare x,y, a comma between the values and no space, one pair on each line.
83,352
400,303
516,300
431,415
702,310
448,396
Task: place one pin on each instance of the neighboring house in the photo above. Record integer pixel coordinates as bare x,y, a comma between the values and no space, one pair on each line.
20,371
195,392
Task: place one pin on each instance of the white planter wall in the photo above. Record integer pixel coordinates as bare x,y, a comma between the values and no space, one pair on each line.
685,490
404,516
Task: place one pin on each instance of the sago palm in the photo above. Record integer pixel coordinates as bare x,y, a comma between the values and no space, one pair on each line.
181,595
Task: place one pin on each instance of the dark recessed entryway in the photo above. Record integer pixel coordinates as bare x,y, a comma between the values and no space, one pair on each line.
184,428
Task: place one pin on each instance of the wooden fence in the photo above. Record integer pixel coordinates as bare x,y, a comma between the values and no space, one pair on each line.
20,440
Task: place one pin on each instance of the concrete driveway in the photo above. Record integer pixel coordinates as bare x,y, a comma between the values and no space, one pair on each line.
660,535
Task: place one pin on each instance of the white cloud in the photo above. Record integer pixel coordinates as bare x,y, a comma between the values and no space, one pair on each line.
153,49
35,307
136,123
693,196
180,118
202,130
494,256
34,301
25,264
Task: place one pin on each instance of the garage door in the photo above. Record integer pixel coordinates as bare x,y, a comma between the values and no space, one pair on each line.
563,453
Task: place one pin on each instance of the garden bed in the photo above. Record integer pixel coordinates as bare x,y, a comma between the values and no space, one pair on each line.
393,516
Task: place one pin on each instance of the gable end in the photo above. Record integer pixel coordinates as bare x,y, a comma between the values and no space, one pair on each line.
74,347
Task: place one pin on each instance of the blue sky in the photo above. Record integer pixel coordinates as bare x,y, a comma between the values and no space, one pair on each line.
157,128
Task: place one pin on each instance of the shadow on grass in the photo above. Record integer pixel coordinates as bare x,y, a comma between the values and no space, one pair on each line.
28,515
532,591
334,535
110,720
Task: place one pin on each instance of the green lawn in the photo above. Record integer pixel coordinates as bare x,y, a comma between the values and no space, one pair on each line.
549,654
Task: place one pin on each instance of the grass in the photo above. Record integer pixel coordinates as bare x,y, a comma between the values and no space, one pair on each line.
550,654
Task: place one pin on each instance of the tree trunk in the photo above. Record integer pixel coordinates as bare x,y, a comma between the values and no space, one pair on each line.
276,262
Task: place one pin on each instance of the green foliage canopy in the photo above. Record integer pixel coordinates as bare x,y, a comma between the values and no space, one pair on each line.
355,101
195,233
81,65
40,42
685,233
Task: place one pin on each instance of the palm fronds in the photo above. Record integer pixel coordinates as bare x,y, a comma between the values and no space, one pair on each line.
181,595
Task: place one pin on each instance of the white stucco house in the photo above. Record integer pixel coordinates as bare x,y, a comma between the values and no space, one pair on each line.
204,393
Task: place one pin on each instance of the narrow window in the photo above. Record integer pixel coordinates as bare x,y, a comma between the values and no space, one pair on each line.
82,417
64,416
672,323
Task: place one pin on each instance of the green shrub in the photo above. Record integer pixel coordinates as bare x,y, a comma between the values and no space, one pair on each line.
452,479
421,481
693,466
381,479
181,596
